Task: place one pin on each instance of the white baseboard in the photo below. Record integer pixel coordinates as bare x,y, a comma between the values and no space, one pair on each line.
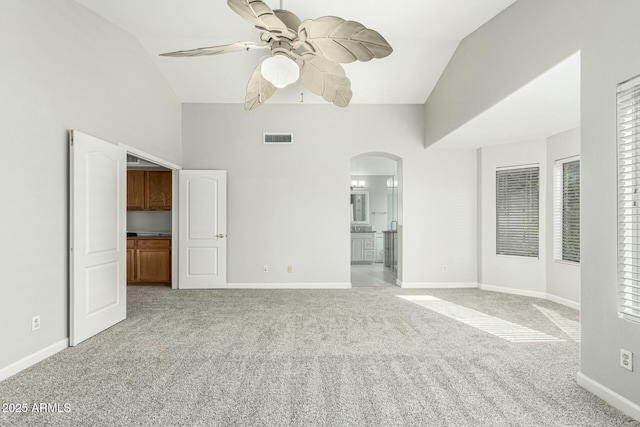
32,359
288,285
513,291
533,294
437,285
611,397
564,301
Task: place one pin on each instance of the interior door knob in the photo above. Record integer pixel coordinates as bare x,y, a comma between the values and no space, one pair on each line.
220,236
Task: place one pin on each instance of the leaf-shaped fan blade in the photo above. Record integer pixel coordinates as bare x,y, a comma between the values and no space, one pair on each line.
342,41
289,19
327,79
258,14
215,50
259,90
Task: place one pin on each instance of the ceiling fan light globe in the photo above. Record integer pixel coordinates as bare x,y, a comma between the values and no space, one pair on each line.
280,70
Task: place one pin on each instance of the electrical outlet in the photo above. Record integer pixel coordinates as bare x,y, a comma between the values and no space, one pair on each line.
444,268
35,323
265,268
289,269
626,359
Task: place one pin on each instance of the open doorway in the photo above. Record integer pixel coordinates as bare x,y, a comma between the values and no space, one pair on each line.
375,217
149,223
152,212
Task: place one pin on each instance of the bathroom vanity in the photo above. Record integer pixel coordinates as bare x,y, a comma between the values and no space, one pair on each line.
363,247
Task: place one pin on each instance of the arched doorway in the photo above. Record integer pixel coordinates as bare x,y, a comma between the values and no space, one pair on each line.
376,215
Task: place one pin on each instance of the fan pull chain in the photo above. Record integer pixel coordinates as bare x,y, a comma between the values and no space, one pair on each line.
260,85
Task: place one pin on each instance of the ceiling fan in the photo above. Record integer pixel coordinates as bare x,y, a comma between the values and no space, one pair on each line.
309,50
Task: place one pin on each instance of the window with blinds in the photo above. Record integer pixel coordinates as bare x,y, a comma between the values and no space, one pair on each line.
628,124
566,207
517,211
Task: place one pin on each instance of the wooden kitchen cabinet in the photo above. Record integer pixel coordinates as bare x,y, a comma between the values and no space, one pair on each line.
158,190
149,190
131,260
135,190
150,261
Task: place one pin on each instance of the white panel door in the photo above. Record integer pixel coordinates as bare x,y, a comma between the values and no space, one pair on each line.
203,226
97,295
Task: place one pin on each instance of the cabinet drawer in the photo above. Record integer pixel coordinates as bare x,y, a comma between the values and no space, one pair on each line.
131,243
369,244
154,243
369,255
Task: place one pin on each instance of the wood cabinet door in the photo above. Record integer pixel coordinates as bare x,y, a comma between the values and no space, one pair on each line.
158,190
153,265
131,265
135,191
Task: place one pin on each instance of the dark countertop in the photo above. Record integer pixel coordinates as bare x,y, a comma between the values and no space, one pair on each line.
131,235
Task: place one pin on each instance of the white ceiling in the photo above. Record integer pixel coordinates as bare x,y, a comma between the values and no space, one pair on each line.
548,105
423,33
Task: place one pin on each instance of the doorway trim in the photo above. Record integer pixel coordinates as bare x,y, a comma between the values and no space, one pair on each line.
174,204
399,175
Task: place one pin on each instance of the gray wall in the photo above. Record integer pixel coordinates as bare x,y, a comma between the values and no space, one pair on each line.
288,204
508,273
538,277
515,47
563,279
61,67
525,40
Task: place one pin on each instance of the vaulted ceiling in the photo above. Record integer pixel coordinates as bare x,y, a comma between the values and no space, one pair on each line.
423,33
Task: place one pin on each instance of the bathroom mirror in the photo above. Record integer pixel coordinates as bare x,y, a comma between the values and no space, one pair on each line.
360,207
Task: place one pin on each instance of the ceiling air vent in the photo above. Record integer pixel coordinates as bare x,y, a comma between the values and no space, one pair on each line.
277,138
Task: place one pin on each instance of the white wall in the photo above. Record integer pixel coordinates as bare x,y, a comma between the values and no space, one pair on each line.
61,67
605,63
563,280
510,273
543,276
504,55
287,204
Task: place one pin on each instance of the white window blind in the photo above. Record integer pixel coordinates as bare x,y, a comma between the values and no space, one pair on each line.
517,211
628,115
566,210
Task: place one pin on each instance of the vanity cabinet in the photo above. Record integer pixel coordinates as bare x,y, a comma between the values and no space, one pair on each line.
363,247
379,248
148,190
148,260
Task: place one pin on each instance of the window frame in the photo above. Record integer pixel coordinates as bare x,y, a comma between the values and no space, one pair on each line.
502,247
558,210
628,199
